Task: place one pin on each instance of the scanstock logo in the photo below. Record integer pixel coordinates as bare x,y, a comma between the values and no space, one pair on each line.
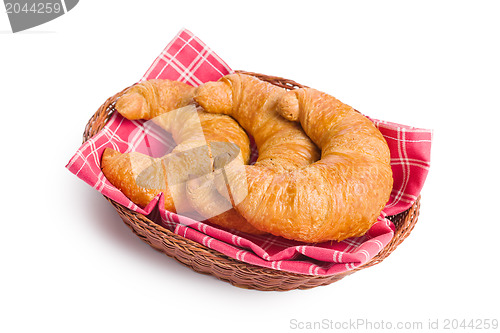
26,14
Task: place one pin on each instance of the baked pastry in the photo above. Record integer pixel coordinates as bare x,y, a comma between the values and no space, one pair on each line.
149,99
199,136
218,209
289,191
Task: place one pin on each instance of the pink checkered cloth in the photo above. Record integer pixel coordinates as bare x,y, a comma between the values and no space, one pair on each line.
186,58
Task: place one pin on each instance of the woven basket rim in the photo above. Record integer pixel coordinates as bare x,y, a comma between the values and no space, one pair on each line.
208,261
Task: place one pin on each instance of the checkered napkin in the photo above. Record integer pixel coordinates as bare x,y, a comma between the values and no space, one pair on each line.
186,58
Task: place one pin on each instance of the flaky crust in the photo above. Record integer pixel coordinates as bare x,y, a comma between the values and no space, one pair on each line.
200,137
119,170
290,192
207,201
152,98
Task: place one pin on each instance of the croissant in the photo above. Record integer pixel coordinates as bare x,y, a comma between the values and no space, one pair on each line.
199,136
206,200
290,191
152,98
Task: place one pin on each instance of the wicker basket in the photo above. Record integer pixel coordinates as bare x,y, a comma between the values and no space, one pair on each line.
205,260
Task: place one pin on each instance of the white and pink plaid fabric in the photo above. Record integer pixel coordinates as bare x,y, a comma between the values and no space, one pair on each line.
186,58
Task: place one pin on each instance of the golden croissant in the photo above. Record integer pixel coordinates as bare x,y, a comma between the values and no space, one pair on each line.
200,137
290,191
152,98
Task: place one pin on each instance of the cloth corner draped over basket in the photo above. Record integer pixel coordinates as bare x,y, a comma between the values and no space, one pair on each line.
186,58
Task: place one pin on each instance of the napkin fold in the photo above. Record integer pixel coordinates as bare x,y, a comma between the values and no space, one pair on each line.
187,59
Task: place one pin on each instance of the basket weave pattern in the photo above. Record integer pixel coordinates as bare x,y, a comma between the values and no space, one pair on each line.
207,261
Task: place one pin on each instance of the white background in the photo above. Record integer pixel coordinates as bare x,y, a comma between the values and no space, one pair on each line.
68,262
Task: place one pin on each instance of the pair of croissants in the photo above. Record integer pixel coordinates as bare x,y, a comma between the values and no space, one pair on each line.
323,169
